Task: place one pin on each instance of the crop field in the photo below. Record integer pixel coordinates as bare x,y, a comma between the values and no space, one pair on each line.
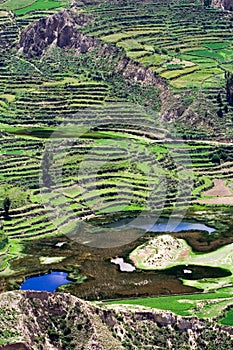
182,43
172,42
207,305
79,143
25,6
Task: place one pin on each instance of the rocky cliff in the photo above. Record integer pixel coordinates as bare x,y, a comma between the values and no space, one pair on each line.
223,4
57,321
60,29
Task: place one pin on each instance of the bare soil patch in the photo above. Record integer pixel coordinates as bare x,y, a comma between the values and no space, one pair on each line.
217,200
221,194
219,189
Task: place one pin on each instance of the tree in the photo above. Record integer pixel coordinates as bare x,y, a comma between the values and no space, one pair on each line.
6,206
220,113
207,3
46,163
226,109
219,100
3,239
229,87
215,159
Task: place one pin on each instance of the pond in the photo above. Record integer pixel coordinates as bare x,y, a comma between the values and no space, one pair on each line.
123,265
47,283
194,272
163,225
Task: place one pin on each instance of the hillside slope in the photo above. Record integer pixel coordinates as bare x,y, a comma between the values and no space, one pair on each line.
32,320
187,62
63,30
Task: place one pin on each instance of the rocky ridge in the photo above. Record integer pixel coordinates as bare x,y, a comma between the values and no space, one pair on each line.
57,321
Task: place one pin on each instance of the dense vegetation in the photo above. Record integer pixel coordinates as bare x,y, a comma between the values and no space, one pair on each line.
84,142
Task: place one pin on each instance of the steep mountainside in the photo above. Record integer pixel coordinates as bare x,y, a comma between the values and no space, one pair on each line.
38,320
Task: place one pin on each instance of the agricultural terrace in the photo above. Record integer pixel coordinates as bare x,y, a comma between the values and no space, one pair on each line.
185,43
39,99
221,193
25,6
114,168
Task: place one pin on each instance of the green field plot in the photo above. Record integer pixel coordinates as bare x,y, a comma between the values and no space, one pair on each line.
218,45
40,5
25,6
208,305
158,35
14,4
228,318
206,53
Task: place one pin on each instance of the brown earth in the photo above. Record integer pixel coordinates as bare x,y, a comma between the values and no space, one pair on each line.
219,189
221,193
15,346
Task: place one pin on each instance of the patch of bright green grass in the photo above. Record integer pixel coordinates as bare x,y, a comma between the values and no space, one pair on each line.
12,5
227,319
155,60
39,5
215,46
201,305
206,53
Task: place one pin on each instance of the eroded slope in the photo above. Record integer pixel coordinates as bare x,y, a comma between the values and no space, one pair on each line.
32,320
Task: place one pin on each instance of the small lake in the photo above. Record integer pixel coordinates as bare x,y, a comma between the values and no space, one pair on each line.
47,283
195,272
123,265
163,225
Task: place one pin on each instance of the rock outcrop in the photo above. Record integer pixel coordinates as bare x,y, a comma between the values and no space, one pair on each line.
59,29
57,321
223,4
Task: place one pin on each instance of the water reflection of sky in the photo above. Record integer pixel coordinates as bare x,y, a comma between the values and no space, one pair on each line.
164,226
123,265
47,283
173,227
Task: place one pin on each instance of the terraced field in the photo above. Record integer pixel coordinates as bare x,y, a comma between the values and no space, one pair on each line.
180,41
185,43
82,144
